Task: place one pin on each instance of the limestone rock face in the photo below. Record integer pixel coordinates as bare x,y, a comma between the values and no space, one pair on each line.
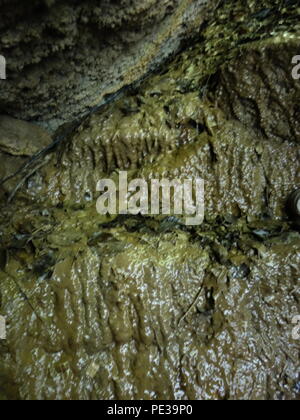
19,138
167,132
143,306
18,141
250,85
143,316
63,57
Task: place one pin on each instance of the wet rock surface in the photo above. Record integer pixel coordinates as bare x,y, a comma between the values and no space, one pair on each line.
157,313
135,307
250,85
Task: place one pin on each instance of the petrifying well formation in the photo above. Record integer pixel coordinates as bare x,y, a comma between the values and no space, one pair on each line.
145,307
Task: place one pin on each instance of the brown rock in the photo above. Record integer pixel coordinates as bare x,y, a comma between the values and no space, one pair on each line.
19,138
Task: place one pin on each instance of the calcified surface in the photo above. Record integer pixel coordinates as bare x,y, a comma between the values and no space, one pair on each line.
64,57
145,307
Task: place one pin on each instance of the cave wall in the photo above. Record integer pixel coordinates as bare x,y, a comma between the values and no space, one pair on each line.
64,57
145,307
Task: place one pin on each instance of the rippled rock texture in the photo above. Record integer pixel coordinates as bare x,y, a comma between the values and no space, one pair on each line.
146,307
